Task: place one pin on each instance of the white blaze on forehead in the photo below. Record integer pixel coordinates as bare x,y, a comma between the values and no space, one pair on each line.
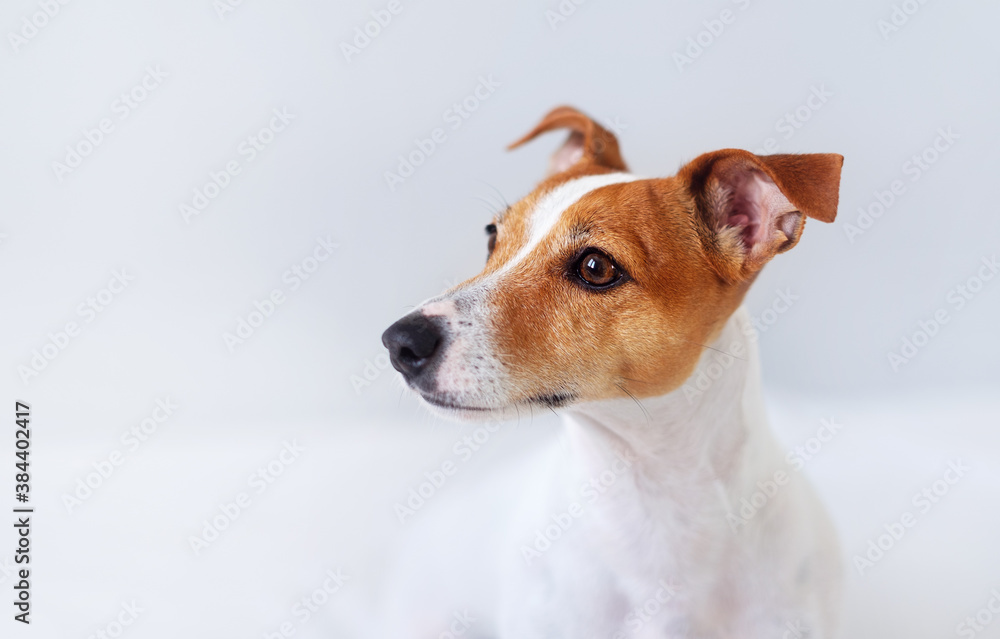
470,372
553,205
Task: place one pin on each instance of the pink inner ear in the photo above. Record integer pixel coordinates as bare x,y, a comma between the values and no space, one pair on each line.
569,154
755,206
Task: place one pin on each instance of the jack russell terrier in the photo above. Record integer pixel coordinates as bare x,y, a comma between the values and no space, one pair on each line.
617,300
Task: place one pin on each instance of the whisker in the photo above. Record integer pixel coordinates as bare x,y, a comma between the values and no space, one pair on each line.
506,204
742,359
638,403
490,205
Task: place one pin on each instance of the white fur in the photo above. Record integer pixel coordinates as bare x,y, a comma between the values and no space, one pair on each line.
677,464
658,531
664,521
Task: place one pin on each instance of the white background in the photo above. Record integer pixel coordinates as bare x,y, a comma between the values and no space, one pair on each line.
324,176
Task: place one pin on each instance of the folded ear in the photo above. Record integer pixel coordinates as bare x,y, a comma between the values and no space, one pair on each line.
588,142
750,207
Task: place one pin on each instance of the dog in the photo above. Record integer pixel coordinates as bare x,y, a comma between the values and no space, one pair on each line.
616,301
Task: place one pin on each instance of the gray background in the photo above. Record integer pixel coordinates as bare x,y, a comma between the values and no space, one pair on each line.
323,176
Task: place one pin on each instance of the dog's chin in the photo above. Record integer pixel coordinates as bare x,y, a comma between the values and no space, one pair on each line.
464,410
471,407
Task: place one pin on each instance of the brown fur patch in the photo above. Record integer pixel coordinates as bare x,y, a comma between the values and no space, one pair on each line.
685,276
555,336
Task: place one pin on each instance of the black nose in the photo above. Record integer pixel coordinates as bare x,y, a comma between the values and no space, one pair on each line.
413,343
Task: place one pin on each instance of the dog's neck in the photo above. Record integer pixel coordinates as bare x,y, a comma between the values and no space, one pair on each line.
690,453
701,425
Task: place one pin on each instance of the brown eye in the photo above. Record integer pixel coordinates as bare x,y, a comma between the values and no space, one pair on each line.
598,270
491,243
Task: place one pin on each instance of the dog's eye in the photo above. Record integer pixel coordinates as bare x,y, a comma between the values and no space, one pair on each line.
491,243
597,269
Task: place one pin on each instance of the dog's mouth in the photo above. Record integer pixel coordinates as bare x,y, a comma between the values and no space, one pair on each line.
553,400
443,402
549,400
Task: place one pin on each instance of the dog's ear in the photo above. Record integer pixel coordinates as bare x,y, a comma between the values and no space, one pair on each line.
588,142
749,208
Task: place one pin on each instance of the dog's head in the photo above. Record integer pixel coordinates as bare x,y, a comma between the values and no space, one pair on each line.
600,284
